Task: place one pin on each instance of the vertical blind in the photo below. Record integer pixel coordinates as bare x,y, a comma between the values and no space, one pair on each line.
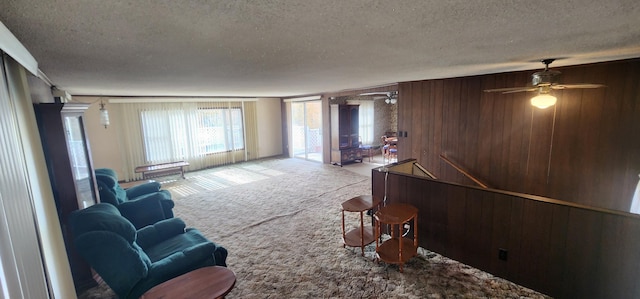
21,261
205,134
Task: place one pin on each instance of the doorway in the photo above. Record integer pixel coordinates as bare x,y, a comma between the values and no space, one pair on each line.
306,129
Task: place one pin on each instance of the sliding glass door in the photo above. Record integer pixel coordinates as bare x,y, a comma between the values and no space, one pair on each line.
306,126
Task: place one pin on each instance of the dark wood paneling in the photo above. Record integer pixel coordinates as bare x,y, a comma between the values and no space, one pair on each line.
534,246
456,224
617,233
435,142
500,236
629,126
417,119
516,252
582,254
473,231
558,248
437,218
583,149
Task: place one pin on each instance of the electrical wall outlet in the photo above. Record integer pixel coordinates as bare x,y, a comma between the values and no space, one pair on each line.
502,254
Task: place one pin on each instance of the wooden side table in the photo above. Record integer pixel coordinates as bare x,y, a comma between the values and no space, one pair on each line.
361,236
207,282
399,248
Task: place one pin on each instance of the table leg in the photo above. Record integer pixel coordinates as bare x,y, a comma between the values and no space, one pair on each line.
400,246
344,245
362,233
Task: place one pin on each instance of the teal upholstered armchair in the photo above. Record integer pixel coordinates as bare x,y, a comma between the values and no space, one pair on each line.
133,261
142,204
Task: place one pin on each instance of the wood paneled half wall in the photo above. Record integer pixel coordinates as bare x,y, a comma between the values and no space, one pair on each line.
585,149
562,249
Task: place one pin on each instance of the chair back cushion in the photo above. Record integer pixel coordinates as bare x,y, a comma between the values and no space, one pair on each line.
107,171
109,189
102,217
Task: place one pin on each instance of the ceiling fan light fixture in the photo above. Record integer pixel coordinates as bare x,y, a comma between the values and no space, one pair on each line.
391,100
543,100
391,97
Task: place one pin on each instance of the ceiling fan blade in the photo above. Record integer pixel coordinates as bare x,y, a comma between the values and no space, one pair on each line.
511,89
579,85
520,90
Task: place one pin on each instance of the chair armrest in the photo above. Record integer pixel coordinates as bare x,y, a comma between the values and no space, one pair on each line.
219,254
142,189
184,261
151,235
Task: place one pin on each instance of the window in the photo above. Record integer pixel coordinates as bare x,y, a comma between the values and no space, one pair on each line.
179,134
366,122
219,130
163,132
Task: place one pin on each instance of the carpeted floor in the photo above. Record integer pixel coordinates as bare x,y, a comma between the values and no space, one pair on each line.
280,220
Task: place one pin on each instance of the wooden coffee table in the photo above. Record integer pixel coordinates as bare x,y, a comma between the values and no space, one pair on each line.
207,282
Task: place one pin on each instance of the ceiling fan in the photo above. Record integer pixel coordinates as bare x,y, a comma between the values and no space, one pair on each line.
543,82
390,97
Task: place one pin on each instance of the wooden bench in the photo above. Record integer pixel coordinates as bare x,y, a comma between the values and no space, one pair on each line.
162,169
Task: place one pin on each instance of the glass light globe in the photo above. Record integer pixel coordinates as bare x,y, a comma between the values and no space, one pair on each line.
104,117
543,101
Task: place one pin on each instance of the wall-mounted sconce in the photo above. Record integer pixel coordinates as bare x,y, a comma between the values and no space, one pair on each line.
104,115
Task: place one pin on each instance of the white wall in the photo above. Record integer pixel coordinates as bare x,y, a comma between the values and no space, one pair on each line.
105,148
269,127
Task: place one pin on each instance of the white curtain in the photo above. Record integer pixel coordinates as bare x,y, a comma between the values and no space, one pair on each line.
635,203
366,119
205,134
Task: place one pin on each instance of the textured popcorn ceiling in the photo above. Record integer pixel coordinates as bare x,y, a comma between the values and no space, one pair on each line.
285,48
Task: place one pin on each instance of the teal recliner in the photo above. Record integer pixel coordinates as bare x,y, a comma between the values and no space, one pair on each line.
132,262
143,204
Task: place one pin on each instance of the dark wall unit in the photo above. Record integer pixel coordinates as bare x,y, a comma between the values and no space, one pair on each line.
70,168
583,150
345,146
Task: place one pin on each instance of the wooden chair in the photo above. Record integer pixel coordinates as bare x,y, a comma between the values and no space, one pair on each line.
393,153
385,146
366,150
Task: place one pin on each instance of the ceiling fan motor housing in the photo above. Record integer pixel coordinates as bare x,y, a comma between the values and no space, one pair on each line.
545,78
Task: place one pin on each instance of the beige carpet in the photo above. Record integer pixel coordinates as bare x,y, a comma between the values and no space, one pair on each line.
280,220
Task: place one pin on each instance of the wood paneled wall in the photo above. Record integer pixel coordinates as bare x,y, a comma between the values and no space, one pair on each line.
585,149
561,249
